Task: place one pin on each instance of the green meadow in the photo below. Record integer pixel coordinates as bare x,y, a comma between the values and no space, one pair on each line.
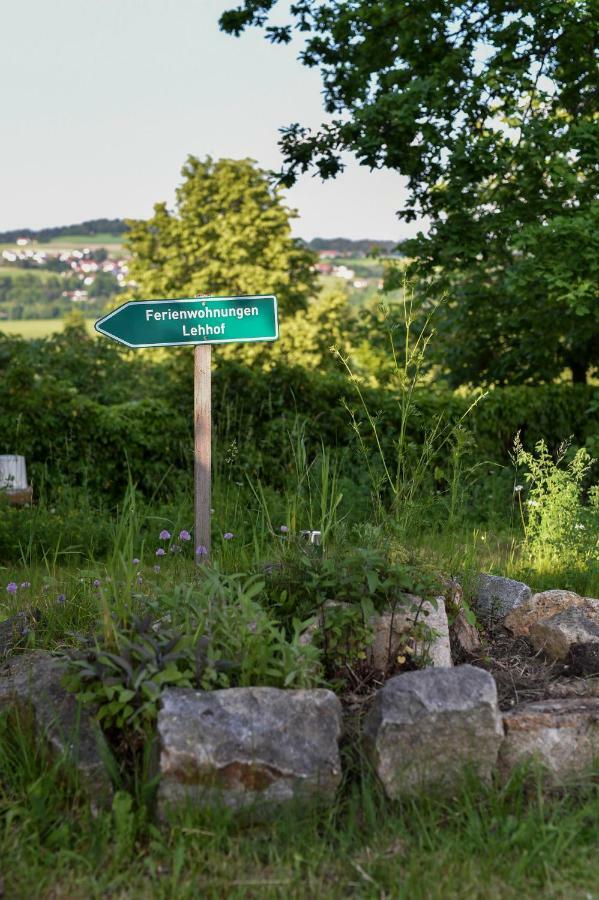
30,329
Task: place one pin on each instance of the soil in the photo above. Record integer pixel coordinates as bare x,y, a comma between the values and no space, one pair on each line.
524,675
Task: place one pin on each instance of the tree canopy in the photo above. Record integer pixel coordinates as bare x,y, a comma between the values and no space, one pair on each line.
491,110
229,233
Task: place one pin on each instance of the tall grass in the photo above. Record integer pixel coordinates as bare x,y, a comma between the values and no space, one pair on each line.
486,841
407,473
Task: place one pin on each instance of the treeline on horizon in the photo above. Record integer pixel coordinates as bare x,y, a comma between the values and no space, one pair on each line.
92,227
343,246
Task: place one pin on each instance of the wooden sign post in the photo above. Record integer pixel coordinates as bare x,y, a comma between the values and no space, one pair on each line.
200,321
202,437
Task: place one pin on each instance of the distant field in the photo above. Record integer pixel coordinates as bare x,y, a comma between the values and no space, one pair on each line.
87,240
15,272
37,328
364,267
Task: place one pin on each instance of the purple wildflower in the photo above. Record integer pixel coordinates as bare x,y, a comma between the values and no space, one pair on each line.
135,561
164,535
157,569
61,598
25,585
12,587
228,536
97,582
160,552
184,535
201,551
283,529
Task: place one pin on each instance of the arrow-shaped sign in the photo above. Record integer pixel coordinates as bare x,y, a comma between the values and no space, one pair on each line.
202,321
205,320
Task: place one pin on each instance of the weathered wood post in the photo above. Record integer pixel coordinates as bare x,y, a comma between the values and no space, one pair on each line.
202,428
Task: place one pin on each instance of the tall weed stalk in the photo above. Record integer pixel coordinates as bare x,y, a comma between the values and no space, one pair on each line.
408,468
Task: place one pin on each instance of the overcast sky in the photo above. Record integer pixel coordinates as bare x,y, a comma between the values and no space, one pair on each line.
102,100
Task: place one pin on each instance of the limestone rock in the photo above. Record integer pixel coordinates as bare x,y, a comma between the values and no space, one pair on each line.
247,748
577,625
31,683
497,596
393,629
424,728
561,735
438,650
540,606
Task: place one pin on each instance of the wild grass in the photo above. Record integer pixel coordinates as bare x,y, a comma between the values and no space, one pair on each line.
498,841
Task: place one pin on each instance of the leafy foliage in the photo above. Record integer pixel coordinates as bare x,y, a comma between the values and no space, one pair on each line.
86,414
229,234
490,111
560,528
366,578
231,608
124,677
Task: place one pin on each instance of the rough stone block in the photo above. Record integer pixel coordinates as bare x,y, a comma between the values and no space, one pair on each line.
31,682
252,748
542,605
497,596
577,625
560,735
392,629
425,728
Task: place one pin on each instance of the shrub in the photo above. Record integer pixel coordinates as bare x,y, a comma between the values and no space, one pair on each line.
560,528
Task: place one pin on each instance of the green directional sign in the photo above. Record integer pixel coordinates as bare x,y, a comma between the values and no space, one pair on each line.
205,320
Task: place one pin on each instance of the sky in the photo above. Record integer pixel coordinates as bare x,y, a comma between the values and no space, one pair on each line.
102,100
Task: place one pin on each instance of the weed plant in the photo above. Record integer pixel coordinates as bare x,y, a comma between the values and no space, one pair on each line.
560,513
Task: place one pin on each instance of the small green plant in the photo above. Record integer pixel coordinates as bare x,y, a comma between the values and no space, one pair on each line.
344,633
232,610
123,678
339,595
368,577
560,514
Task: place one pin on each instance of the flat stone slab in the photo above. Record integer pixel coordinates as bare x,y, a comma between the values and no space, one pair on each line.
540,606
425,728
247,748
560,735
31,683
498,596
557,634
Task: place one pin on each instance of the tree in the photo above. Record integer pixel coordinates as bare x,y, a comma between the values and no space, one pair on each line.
228,234
491,110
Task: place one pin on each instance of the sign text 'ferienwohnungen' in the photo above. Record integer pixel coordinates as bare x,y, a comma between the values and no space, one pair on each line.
205,320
